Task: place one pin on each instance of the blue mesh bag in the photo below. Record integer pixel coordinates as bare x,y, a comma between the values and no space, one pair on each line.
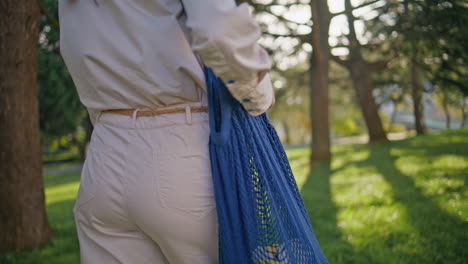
261,215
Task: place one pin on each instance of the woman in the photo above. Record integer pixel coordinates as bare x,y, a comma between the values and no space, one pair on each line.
146,192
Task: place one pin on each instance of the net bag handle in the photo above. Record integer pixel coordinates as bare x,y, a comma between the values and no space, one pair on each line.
220,107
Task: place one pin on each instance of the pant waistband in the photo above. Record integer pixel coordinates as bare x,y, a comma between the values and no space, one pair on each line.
191,110
132,122
154,112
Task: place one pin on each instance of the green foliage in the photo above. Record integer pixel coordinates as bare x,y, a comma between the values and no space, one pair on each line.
65,148
399,202
433,33
345,127
60,109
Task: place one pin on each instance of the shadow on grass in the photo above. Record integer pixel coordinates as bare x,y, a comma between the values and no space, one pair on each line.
430,145
322,211
442,237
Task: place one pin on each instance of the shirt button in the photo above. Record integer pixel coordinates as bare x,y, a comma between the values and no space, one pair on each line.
231,81
246,100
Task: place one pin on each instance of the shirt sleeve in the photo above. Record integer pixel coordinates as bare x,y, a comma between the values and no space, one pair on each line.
225,36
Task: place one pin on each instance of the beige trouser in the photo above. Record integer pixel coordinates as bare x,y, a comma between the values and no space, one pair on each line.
146,193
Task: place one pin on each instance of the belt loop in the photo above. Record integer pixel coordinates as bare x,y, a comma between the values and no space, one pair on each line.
202,98
188,114
134,117
98,116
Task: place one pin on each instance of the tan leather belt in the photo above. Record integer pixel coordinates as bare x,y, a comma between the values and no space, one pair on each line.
129,112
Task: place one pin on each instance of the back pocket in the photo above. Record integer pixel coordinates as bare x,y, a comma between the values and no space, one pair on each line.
183,177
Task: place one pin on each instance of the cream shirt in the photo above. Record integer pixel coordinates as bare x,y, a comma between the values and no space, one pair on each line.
145,53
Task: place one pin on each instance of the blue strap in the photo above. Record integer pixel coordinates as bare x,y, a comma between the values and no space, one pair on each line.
221,104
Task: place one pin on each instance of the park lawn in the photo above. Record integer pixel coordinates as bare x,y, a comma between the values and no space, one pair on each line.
399,202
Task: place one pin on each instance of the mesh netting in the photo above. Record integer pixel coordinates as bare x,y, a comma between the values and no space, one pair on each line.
261,215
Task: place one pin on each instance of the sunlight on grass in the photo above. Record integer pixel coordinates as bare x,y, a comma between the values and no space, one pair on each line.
400,202
443,178
62,192
356,188
346,154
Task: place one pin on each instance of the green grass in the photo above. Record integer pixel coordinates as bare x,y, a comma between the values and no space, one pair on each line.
399,202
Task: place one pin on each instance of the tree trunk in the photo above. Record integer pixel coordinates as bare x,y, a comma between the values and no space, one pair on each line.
23,220
393,117
318,71
462,124
360,72
463,112
417,94
362,84
446,110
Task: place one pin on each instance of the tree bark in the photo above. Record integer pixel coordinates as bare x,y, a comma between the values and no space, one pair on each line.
360,72
363,86
463,110
318,70
23,220
417,93
446,110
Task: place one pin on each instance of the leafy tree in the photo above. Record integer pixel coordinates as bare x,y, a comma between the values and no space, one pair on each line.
431,34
